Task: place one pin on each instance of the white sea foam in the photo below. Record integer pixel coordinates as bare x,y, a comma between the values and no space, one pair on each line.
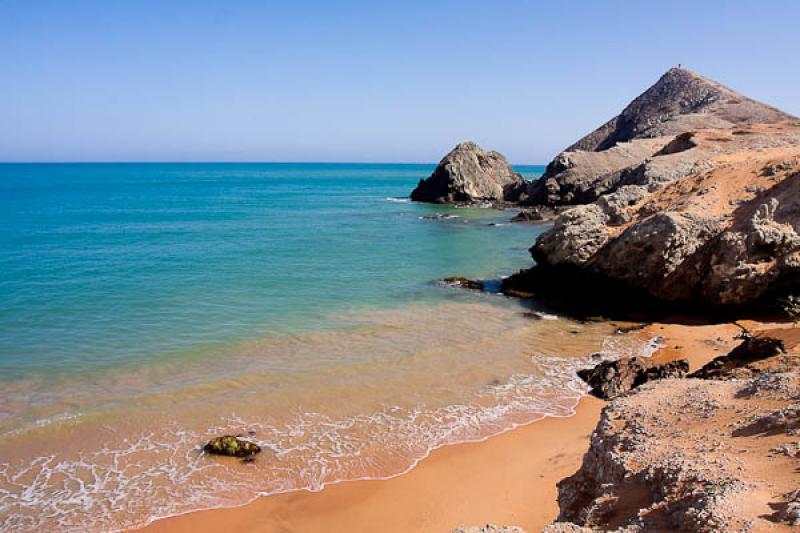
159,474
127,482
397,200
617,346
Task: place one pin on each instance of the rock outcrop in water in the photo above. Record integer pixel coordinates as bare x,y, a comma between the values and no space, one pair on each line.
462,282
469,174
694,196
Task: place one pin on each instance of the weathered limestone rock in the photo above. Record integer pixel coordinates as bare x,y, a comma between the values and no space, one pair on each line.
575,237
470,174
688,455
695,199
650,253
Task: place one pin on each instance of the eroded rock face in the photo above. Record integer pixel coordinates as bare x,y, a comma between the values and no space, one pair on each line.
689,455
575,237
691,195
581,177
718,231
610,379
759,249
231,446
651,254
470,174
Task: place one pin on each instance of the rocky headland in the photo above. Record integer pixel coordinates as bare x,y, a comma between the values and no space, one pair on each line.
687,201
699,206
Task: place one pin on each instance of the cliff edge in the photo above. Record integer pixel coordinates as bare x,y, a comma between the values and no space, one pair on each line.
697,199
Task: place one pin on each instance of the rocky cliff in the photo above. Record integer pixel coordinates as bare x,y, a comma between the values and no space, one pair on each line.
695,455
709,215
469,174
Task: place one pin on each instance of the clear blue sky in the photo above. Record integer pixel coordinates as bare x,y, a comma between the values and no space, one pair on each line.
222,80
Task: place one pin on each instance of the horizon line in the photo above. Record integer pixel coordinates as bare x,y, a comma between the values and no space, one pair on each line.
186,162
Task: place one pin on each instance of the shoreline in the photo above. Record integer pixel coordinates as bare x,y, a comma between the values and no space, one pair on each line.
453,484
509,478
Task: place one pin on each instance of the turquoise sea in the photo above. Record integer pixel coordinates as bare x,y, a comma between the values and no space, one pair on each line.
107,264
145,308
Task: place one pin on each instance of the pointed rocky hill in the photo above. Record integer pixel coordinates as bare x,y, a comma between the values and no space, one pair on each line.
681,101
678,102
690,196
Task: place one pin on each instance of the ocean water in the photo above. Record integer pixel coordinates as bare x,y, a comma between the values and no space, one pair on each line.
147,307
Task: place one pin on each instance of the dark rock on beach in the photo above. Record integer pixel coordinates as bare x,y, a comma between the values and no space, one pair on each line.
231,446
469,174
610,379
741,361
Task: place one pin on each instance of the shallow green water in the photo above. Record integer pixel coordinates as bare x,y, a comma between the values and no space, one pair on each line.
107,264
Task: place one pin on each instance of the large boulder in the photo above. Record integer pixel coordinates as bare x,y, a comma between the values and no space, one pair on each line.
231,446
469,174
610,379
575,237
655,253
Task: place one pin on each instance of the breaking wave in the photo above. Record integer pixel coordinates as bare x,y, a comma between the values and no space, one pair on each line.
130,481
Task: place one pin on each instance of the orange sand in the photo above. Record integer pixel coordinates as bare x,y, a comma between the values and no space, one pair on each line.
509,479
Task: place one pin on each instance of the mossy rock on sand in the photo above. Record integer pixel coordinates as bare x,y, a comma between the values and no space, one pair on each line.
231,446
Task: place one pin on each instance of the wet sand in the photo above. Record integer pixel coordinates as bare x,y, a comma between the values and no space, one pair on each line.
509,479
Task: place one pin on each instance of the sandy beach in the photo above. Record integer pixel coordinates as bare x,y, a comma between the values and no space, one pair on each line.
509,479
